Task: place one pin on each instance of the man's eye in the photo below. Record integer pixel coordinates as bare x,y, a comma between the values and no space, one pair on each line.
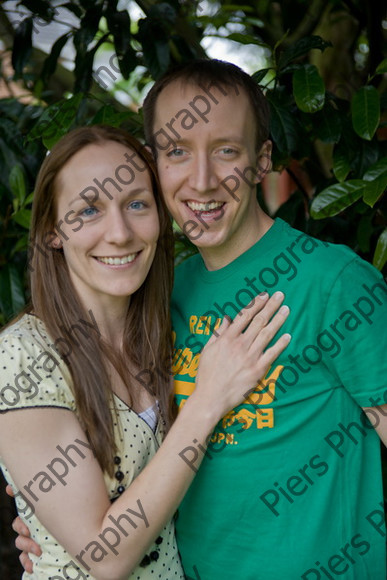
136,205
88,211
228,150
175,153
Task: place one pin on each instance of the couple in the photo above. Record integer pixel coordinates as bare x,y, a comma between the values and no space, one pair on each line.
290,483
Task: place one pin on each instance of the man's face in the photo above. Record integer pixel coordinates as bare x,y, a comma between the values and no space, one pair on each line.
208,167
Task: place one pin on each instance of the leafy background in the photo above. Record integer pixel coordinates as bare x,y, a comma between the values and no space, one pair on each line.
321,63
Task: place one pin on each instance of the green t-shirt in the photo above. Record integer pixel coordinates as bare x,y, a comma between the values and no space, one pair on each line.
290,487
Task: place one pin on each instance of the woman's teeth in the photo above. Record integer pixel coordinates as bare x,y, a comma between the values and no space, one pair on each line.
118,261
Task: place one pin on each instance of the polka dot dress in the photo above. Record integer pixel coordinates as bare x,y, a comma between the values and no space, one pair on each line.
33,375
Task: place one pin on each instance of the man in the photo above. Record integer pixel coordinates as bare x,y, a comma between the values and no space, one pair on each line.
290,486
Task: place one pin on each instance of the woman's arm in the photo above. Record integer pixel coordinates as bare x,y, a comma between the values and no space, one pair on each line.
77,510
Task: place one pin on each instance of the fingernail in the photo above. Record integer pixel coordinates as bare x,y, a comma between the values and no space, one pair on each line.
284,310
278,295
287,337
263,295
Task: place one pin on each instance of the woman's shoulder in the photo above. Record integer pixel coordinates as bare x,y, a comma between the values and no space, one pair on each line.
26,328
33,373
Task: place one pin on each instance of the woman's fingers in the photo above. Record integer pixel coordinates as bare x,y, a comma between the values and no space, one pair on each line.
262,336
262,319
270,354
219,331
246,315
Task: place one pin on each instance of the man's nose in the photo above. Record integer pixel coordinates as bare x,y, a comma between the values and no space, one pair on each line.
203,176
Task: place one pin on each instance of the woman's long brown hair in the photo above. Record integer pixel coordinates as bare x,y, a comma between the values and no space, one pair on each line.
147,336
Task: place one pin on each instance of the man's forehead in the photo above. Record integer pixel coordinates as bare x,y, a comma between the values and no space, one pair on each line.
182,94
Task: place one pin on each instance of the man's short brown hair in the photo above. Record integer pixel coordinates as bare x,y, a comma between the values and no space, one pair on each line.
207,73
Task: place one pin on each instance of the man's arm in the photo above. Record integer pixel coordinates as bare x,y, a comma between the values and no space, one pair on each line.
378,418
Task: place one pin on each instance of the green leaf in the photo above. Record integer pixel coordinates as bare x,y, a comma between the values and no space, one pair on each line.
88,29
308,89
284,129
365,108
155,47
378,169
119,25
41,7
51,61
374,190
163,12
17,182
21,244
300,48
336,198
23,218
11,291
29,199
327,125
74,8
64,120
22,45
381,69
56,121
128,62
376,176
245,38
380,256
260,74
109,116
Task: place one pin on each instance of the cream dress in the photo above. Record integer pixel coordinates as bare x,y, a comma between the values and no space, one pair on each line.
33,375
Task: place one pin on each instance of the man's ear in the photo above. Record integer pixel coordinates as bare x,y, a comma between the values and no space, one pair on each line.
150,150
264,163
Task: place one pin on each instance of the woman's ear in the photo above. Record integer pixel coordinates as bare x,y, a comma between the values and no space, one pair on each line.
55,241
264,163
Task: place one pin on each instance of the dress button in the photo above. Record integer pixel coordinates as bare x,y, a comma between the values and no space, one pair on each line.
119,475
145,561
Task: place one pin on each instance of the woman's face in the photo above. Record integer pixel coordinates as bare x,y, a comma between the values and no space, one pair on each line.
107,222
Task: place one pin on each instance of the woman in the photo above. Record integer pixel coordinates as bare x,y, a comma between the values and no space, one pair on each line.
93,454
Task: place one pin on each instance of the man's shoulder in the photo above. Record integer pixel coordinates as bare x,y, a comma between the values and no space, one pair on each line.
329,256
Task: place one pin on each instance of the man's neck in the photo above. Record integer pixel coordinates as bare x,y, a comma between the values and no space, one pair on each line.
216,258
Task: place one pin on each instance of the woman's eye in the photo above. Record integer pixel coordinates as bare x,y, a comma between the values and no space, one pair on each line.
88,211
136,205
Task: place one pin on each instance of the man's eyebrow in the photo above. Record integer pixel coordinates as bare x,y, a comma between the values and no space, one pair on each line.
222,139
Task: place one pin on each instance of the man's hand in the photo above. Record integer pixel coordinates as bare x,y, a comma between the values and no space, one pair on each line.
23,542
378,418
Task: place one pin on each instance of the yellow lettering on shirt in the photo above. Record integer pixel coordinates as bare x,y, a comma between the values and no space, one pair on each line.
185,363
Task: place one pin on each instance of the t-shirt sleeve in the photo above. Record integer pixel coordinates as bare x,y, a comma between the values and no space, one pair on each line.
32,375
354,332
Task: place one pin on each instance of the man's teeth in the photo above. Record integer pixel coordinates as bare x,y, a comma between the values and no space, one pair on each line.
195,206
118,261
